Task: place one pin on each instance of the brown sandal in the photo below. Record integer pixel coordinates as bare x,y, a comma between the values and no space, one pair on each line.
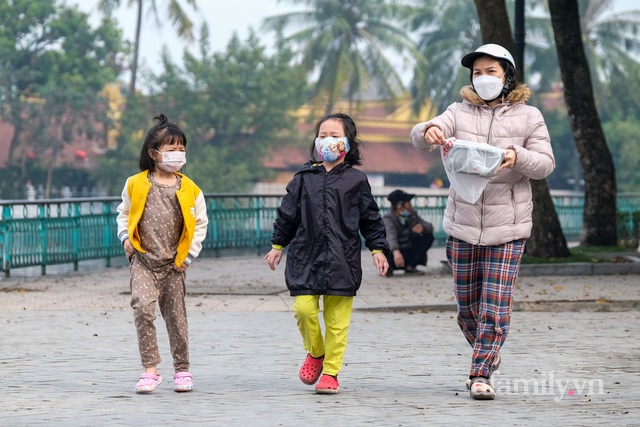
492,368
481,389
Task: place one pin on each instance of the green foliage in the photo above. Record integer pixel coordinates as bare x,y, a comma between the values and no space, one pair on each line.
623,137
54,66
568,172
233,107
116,165
448,30
13,185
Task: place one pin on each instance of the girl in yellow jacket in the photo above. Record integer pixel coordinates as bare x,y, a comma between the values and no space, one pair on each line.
162,222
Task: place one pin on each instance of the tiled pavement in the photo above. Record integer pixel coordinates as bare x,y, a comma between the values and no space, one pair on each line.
68,353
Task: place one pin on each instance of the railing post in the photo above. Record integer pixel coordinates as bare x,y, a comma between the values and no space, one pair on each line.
106,238
76,237
6,239
43,237
256,204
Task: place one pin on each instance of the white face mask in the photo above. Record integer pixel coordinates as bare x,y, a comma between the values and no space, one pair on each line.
172,161
488,87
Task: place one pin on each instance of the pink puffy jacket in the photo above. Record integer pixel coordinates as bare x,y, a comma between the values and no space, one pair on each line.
503,212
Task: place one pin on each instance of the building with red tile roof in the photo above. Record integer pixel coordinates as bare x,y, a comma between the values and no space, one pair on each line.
389,158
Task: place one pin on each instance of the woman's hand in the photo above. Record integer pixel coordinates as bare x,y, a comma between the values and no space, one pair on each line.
509,160
273,258
434,136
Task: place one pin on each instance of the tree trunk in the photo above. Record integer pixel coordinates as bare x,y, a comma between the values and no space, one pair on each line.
599,218
16,121
15,140
55,150
547,239
136,50
494,23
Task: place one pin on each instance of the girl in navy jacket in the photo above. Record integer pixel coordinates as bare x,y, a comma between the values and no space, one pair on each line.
328,203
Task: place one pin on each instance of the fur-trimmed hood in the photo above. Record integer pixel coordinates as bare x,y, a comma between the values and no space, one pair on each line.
520,94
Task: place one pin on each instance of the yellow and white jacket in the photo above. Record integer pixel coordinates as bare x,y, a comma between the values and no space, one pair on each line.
192,204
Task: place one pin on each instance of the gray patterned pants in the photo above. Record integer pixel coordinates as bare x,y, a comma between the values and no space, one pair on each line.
167,287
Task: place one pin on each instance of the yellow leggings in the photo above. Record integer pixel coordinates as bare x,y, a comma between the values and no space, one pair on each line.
337,316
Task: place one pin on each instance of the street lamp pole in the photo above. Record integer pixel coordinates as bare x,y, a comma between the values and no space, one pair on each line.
519,38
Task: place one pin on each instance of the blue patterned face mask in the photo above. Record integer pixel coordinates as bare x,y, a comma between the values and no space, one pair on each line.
331,149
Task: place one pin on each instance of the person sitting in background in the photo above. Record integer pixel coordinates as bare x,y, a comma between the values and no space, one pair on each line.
409,236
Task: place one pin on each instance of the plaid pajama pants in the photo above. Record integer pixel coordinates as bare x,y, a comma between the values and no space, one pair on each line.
484,277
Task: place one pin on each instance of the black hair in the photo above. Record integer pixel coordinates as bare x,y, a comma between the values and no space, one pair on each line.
510,81
163,133
353,156
510,75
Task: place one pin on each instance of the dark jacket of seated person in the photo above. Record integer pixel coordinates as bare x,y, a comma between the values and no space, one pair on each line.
409,235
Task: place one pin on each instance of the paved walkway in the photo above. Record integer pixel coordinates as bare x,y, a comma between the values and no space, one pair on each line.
68,353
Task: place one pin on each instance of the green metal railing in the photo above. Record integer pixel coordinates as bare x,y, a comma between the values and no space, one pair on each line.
67,231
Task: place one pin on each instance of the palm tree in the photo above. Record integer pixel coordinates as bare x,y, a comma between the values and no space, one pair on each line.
344,42
447,29
611,42
175,12
611,39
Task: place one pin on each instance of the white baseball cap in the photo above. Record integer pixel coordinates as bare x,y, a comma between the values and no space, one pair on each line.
493,50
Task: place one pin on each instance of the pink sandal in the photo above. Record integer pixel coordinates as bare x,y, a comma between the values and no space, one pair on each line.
182,381
311,369
328,384
148,382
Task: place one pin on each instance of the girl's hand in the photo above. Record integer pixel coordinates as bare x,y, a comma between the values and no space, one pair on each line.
380,261
182,268
128,248
434,136
273,258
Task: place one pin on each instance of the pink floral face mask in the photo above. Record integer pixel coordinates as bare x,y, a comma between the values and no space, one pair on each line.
172,161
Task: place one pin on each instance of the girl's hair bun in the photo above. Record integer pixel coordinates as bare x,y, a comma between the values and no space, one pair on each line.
161,118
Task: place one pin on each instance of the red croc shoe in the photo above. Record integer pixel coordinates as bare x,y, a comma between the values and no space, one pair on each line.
311,369
328,384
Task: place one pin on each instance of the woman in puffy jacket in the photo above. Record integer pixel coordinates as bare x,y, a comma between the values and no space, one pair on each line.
487,238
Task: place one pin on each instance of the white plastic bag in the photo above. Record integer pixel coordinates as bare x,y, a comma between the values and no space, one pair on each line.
469,165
